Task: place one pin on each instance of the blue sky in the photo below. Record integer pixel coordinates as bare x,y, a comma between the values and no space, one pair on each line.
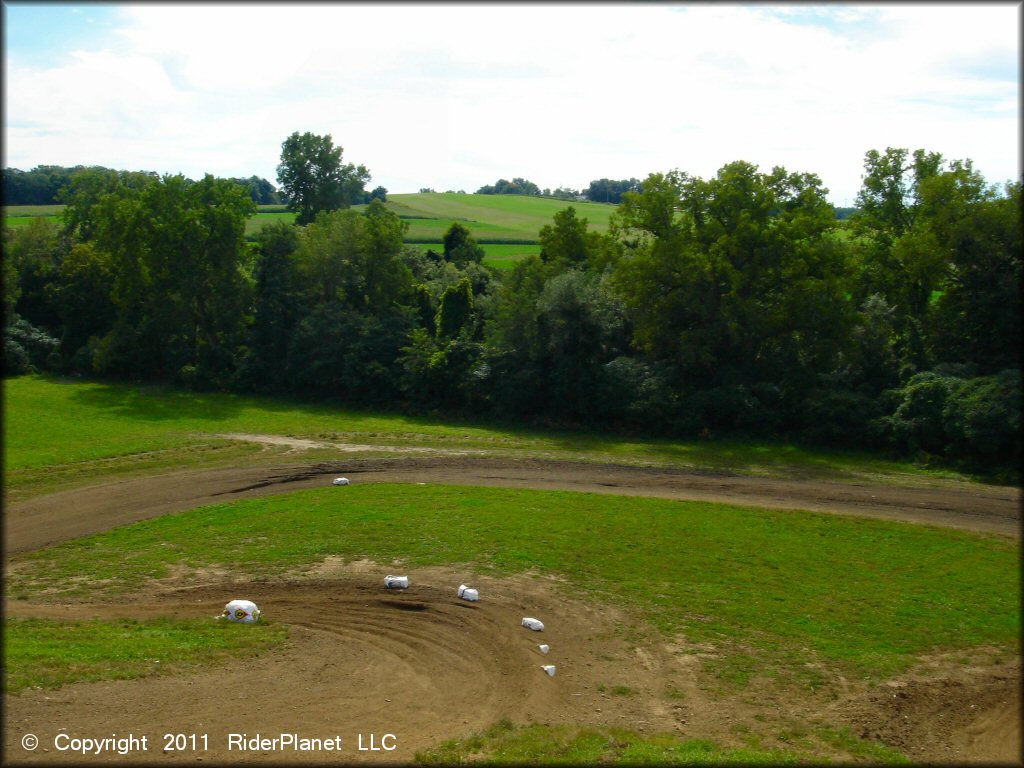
456,96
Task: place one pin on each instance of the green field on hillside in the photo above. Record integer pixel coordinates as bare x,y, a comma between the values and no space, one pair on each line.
486,216
502,256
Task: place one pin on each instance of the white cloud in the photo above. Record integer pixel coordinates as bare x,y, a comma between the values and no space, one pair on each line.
454,96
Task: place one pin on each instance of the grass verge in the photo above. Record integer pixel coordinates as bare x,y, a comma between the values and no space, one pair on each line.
74,428
48,653
779,590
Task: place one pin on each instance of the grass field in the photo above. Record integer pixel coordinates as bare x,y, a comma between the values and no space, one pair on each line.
513,213
502,256
739,576
62,432
47,653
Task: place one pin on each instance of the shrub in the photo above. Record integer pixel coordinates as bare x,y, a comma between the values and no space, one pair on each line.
28,348
982,418
918,423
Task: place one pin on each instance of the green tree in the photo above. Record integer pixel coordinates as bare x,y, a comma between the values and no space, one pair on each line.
355,258
733,279
518,186
87,187
180,261
460,247
276,305
609,191
566,242
35,252
977,318
455,310
82,295
313,178
260,190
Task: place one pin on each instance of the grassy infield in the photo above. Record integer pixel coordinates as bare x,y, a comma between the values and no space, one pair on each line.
771,589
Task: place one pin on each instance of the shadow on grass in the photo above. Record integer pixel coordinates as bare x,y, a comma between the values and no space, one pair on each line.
159,402
164,403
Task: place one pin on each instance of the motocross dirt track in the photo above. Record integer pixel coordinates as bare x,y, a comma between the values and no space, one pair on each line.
425,666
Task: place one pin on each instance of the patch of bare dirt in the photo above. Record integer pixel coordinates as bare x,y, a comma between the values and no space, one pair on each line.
952,708
297,445
419,663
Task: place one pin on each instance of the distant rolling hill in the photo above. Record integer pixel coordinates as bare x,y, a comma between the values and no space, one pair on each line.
507,226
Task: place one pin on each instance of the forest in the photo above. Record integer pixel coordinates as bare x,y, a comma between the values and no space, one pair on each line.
735,305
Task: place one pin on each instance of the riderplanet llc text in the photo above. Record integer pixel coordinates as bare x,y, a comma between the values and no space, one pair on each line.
293,742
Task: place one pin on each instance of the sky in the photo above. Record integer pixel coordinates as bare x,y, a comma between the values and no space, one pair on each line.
456,96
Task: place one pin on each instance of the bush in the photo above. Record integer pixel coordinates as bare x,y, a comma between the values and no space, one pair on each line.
28,348
982,418
16,360
918,423
841,417
976,420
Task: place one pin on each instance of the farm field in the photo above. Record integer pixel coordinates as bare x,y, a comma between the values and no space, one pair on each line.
696,605
502,256
514,216
507,229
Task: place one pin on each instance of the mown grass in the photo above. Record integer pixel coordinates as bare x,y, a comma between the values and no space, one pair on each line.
49,653
255,223
21,221
789,587
506,744
58,430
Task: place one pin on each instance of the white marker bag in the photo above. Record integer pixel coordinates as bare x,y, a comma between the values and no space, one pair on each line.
242,611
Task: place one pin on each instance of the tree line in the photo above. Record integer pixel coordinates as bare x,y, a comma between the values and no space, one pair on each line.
733,305
44,185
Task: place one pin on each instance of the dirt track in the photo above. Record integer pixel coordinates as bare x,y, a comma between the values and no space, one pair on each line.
46,520
425,666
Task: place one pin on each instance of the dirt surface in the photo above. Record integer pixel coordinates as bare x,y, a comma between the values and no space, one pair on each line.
57,517
425,666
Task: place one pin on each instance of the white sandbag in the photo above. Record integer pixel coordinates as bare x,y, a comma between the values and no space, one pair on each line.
341,481
467,593
535,624
396,582
550,669
243,611
543,648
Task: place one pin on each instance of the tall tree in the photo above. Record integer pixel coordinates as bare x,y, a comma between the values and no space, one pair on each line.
733,279
566,241
314,179
977,318
460,247
276,305
355,259
180,259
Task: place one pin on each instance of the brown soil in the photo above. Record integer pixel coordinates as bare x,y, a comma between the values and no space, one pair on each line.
425,666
